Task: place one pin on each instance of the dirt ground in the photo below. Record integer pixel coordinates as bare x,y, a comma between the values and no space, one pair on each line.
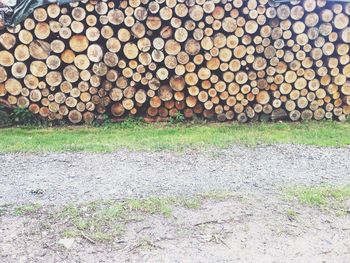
248,219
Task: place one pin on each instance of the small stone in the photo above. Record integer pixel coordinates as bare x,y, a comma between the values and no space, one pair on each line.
66,242
37,191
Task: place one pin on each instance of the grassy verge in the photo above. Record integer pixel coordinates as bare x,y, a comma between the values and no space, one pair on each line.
175,137
329,197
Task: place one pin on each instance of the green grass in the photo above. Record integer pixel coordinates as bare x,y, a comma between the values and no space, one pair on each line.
320,195
105,220
26,209
152,205
171,137
291,214
192,203
218,195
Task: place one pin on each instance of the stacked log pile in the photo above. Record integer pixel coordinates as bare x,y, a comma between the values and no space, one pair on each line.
239,60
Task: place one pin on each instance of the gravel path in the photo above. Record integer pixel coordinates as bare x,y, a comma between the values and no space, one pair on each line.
58,178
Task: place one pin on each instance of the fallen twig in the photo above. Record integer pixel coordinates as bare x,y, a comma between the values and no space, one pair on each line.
144,228
207,222
88,238
223,242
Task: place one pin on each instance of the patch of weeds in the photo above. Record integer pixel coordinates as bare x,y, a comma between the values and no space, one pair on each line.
70,232
152,205
62,122
198,120
132,122
119,229
81,223
26,209
5,208
219,195
81,220
70,211
104,220
129,123
291,214
112,211
4,116
332,197
192,203
22,116
178,118
104,121
101,236
320,195
2,211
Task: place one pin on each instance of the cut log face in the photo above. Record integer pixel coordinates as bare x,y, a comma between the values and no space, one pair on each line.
7,40
230,60
13,86
78,43
39,49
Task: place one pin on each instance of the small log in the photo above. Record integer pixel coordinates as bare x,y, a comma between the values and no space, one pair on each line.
53,78
38,68
78,43
95,53
75,116
6,58
39,49
13,86
19,70
7,40
71,74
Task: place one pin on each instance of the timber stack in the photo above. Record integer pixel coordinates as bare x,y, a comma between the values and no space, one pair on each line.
242,60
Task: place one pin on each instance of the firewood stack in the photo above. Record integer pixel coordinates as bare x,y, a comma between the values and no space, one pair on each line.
227,60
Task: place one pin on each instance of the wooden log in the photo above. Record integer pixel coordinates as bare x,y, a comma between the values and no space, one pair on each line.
38,68
341,21
42,30
3,75
53,78
165,93
75,116
13,86
115,16
71,74
53,10
39,49
7,40
78,43
6,58
21,53
19,70
192,47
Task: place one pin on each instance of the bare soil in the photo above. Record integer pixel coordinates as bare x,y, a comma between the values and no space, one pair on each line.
257,224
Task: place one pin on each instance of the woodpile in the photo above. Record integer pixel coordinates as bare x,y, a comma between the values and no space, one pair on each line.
242,60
